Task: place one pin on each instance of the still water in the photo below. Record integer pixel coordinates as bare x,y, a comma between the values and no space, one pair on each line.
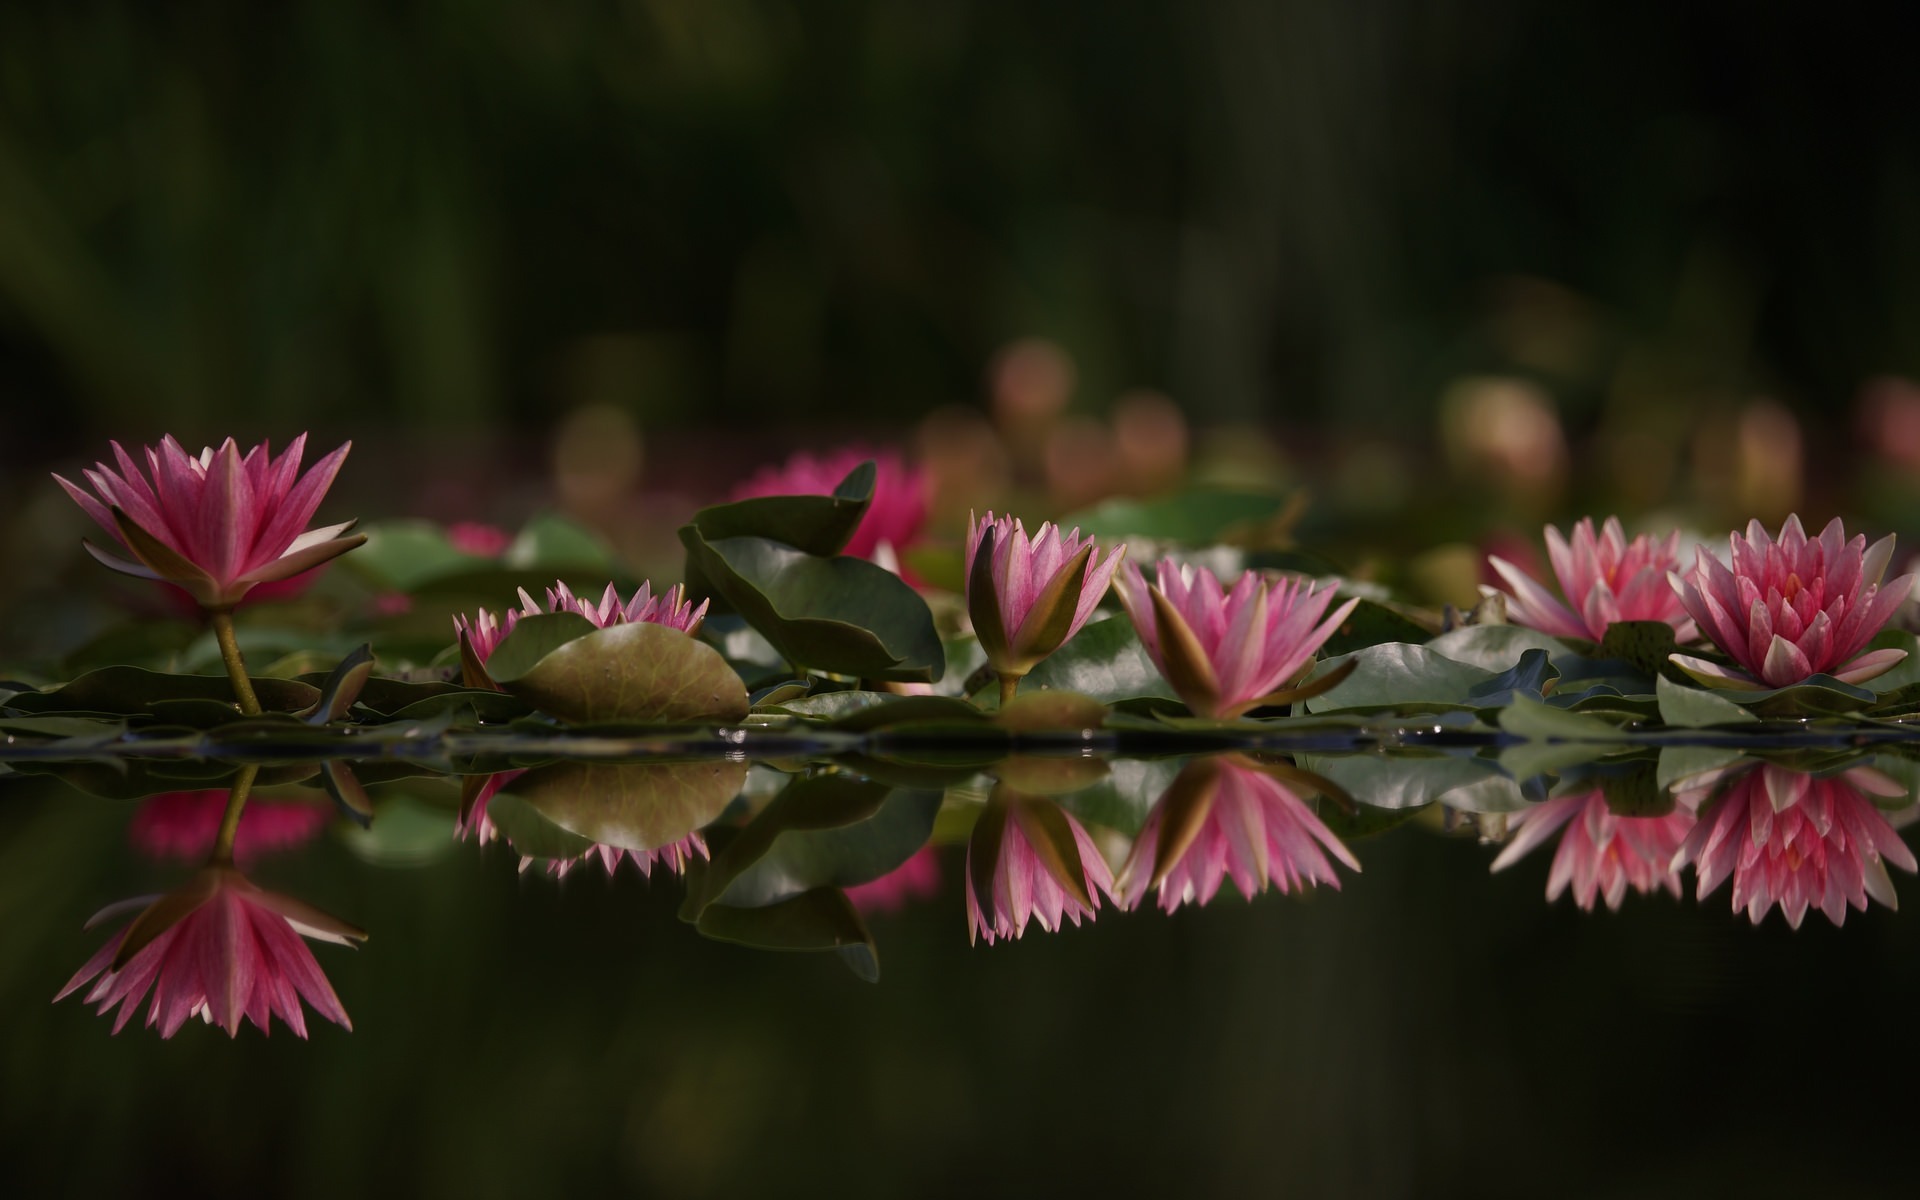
1025,976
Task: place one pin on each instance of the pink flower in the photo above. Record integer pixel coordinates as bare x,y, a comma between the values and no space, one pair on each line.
1028,596
1798,841
1225,817
1600,854
218,948
1607,579
1225,652
478,539
484,632
474,824
182,825
1031,861
218,524
895,515
916,879
1794,608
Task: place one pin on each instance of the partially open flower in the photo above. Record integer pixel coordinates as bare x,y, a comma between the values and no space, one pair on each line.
218,948
1797,840
895,515
1605,579
1028,859
1027,596
1226,652
1601,854
1793,608
215,524
1227,818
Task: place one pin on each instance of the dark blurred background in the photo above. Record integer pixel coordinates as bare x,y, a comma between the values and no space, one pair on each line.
1620,255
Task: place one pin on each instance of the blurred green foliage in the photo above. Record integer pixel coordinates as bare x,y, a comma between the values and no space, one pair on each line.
462,216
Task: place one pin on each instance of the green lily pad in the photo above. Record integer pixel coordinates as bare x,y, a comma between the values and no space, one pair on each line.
1495,647
1104,661
1372,623
1686,707
1644,645
635,672
816,525
843,615
1397,676
1202,517
132,690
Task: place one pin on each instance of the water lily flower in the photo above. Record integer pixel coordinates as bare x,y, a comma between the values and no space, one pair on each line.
1605,579
483,632
1027,596
894,517
1797,841
1227,651
218,948
1793,608
1029,859
479,539
216,524
185,825
1227,818
918,878
1602,853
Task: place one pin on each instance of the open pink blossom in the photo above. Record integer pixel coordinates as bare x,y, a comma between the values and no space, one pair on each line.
918,878
1029,860
1793,608
1605,579
184,825
1601,854
1798,841
475,825
895,515
1227,651
215,524
218,948
484,632
1226,818
1028,595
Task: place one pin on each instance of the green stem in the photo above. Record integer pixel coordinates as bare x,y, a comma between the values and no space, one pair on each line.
230,820
236,666
1008,685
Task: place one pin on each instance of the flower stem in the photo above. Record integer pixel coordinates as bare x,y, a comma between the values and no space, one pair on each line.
230,820
1008,685
236,666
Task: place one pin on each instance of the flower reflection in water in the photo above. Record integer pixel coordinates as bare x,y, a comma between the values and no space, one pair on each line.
1028,859
185,826
1601,853
1230,817
1796,840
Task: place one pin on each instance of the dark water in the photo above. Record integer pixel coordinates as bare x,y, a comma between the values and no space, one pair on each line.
1427,1027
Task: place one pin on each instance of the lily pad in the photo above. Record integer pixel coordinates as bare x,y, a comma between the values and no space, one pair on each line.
636,672
1372,623
1104,661
633,806
821,919
843,615
1201,517
1398,676
1697,708
131,690
816,525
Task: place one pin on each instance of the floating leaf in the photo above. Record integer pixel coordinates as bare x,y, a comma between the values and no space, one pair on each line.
821,919
1643,645
843,615
1495,647
816,525
1046,711
130,690
1528,679
637,672
341,688
1398,676
1104,661
826,830
1202,517
1372,623
532,639
1686,707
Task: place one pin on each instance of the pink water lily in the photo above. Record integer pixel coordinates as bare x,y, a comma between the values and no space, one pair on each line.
1601,854
483,632
1030,860
1227,818
1028,595
894,517
185,825
217,523
1605,579
1793,608
1795,840
218,948
1227,651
